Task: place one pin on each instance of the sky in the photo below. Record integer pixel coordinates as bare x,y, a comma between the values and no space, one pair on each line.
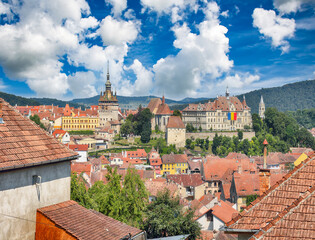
179,48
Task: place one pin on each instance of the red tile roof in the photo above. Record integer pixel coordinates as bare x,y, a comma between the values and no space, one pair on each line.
215,168
67,111
224,211
163,110
81,167
158,185
154,104
286,210
23,143
186,180
174,158
175,122
78,147
83,224
58,132
139,153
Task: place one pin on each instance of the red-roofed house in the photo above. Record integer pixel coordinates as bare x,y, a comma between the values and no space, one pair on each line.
285,211
81,149
68,220
62,136
34,173
162,115
138,154
155,160
245,184
217,171
174,163
190,186
176,132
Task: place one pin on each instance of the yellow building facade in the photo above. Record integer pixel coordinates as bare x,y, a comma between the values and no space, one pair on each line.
174,168
74,123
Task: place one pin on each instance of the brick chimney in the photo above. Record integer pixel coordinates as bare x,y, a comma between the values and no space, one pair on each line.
264,174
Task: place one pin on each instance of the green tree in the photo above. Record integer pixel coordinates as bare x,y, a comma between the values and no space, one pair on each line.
176,112
190,128
200,129
79,193
126,128
135,198
240,134
35,118
166,217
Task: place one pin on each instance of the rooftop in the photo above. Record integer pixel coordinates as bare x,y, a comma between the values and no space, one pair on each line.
83,224
23,143
175,122
286,210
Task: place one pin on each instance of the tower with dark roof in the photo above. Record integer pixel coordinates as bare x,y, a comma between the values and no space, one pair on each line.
107,103
262,108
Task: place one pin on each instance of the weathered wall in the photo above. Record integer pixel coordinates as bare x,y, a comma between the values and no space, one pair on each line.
200,190
205,224
19,198
46,229
204,135
217,223
176,136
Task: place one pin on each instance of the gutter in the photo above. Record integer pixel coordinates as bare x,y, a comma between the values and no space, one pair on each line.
38,163
139,234
226,229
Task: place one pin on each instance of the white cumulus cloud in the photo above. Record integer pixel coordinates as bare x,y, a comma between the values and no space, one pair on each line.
118,6
291,6
81,84
274,27
239,80
116,32
144,81
201,56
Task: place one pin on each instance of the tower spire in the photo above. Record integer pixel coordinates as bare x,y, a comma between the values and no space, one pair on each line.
227,93
108,84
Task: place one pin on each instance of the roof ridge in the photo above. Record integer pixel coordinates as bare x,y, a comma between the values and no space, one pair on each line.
287,211
271,189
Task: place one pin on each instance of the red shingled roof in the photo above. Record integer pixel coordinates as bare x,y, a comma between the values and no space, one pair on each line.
154,104
139,153
163,110
286,210
186,180
175,122
224,211
174,158
78,147
83,224
23,143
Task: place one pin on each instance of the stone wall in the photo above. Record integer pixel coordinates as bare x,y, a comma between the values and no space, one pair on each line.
20,198
176,136
204,135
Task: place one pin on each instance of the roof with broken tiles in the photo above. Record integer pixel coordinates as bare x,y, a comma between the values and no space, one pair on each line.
23,143
284,211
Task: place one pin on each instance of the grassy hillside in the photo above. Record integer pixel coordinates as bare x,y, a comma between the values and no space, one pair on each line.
290,97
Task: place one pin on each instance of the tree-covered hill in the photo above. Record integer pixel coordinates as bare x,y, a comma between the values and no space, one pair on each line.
305,118
290,97
21,101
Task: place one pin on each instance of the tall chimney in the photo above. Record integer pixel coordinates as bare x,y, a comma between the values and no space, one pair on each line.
265,153
264,174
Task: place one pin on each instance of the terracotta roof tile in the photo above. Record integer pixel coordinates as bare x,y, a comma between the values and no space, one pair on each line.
223,211
287,209
83,224
175,122
154,104
163,109
174,158
23,142
186,180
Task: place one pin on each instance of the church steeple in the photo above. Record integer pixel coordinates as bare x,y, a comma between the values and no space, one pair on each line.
108,84
262,108
227,93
